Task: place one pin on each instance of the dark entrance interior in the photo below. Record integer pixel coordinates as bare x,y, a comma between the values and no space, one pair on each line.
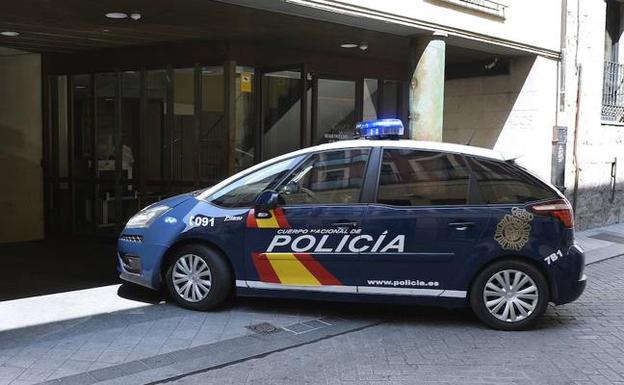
121,139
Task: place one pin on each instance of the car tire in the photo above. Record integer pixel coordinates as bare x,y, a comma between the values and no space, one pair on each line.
500,305
198,277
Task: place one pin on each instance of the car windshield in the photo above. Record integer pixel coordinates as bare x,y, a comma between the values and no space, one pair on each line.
243,191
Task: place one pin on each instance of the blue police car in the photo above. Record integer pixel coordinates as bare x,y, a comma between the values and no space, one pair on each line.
367,219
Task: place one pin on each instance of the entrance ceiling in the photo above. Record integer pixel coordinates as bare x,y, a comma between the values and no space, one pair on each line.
78,25
69,26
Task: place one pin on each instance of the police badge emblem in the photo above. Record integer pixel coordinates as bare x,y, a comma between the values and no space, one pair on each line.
512,232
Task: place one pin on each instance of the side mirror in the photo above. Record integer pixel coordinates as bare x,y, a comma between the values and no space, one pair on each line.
266,201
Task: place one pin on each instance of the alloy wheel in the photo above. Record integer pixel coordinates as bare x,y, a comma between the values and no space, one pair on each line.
510,295
192,278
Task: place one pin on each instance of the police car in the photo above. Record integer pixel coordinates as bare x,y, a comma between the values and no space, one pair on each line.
375,218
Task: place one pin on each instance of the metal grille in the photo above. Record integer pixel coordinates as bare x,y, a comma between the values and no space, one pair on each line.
487,6
609,237
132,238
613,92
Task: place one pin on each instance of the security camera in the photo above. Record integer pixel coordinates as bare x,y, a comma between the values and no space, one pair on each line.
492,64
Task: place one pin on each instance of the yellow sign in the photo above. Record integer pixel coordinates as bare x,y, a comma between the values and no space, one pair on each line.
245,84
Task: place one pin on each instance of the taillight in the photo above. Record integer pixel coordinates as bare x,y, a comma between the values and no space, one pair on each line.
559,209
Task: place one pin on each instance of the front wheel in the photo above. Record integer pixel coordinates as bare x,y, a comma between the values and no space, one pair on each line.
198,278
509,295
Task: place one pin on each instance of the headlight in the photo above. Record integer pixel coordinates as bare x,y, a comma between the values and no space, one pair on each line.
147,216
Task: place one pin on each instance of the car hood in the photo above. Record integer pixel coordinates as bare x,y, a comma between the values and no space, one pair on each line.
174,200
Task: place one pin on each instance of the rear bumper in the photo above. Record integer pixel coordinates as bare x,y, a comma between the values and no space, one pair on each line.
573,290
569,277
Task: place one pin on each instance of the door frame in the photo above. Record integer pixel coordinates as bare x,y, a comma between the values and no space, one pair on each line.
304,130
359,97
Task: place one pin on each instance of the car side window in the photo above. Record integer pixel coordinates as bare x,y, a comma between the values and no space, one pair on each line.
501,182
243,192
330,177
422,178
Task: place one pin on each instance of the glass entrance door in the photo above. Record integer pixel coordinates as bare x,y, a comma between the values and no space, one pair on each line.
336,112
282,109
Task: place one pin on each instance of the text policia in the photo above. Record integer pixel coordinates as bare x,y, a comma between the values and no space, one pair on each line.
318,241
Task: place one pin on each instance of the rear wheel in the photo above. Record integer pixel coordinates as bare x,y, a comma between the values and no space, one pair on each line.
509,295
198,277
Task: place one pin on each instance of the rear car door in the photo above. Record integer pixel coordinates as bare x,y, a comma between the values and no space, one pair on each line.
511,195
424,223
305,244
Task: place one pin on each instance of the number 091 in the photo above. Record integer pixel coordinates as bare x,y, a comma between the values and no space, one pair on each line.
201,221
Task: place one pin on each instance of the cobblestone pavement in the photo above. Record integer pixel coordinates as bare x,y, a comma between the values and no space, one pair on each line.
578,343
43,352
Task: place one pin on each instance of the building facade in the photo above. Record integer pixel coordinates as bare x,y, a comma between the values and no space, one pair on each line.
105,110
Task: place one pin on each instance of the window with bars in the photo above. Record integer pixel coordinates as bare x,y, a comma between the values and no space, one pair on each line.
613,80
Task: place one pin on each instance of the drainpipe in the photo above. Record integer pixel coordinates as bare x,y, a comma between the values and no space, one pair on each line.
575,160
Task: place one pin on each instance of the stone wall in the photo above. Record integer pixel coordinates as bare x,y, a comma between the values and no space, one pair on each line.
597,203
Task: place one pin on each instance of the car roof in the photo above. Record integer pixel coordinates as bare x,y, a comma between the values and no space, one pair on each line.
411,144
359,143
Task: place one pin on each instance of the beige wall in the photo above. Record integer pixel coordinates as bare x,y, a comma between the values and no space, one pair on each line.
512,113
21,195
535,23
598,144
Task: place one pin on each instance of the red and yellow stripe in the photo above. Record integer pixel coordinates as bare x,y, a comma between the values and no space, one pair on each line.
300,269
275,220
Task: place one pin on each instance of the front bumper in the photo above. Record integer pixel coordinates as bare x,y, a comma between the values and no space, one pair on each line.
149,257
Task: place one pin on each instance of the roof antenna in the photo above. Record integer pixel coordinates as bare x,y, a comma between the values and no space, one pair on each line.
470,139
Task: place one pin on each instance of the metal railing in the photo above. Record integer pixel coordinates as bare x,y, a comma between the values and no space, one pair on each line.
613,92
487,6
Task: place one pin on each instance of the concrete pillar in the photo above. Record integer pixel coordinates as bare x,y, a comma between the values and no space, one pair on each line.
426,90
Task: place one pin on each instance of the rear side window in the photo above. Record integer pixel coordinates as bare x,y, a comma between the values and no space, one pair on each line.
502,182
422,178
327,178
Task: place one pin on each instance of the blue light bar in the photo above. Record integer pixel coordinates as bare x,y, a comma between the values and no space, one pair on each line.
381,128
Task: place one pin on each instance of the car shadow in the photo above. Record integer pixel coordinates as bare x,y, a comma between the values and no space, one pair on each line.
140,294
371,311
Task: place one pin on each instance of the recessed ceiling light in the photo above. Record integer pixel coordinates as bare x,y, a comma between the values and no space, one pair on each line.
349,45
116,15
79,87
9,33
135,16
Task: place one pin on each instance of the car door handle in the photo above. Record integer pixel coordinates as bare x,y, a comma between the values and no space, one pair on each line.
345,224
461,226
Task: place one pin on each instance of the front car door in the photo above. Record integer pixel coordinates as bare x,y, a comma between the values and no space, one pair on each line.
307,243
424,213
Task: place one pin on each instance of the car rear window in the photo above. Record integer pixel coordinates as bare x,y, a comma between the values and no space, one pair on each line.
503,182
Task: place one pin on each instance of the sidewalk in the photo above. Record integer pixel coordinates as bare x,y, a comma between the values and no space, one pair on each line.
602,243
